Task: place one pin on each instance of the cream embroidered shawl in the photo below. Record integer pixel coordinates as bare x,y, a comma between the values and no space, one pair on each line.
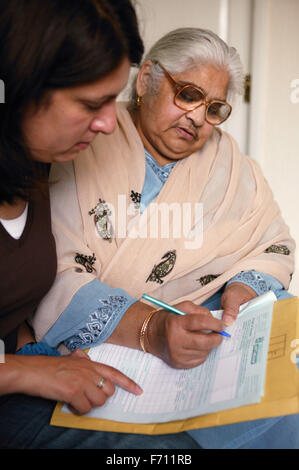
240,221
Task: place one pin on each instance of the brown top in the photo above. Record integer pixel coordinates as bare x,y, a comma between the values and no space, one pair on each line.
27,269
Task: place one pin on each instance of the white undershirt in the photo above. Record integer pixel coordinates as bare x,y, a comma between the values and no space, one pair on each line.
15,227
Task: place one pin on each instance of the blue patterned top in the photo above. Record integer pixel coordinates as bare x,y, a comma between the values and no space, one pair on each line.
155,178
161,171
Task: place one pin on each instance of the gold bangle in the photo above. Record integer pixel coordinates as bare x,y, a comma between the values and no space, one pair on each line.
144,328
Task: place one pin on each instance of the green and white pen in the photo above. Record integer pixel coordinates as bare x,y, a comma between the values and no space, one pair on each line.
175,310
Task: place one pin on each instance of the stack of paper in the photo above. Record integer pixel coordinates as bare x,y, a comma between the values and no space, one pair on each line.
232,376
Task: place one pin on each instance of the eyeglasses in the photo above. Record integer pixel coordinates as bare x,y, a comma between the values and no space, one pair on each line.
189,97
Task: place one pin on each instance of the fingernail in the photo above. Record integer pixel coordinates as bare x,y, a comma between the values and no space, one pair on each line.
139,390
228,320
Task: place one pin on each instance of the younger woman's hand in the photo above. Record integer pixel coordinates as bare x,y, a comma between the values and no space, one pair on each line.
73,379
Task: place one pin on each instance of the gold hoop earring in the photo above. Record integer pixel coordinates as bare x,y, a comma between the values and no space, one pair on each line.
139,101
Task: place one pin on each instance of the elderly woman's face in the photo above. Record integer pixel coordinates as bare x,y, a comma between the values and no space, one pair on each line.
168,132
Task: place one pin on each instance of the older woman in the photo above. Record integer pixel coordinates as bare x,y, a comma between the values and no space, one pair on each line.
63,64
220,237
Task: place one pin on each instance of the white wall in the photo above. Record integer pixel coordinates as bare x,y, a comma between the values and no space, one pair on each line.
274,117
157,17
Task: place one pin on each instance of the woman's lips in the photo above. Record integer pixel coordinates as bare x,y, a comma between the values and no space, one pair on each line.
186,133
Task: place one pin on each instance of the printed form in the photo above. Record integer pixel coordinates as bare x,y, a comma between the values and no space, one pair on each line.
233,374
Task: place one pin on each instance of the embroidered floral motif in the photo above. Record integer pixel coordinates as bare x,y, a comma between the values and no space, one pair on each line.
97,322
162,269
101,219
204,280
136,198
279,249
86,261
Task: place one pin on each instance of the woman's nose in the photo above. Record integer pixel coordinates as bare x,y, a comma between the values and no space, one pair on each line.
105,120
198,115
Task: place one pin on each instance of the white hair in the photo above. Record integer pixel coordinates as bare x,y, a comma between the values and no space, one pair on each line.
185,48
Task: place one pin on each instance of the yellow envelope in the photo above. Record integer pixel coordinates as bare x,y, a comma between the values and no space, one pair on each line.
281,394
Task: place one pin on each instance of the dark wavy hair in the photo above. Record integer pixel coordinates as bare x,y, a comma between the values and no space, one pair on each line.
51,44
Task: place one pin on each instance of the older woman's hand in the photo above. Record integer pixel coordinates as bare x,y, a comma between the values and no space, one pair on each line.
184,341
233,297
